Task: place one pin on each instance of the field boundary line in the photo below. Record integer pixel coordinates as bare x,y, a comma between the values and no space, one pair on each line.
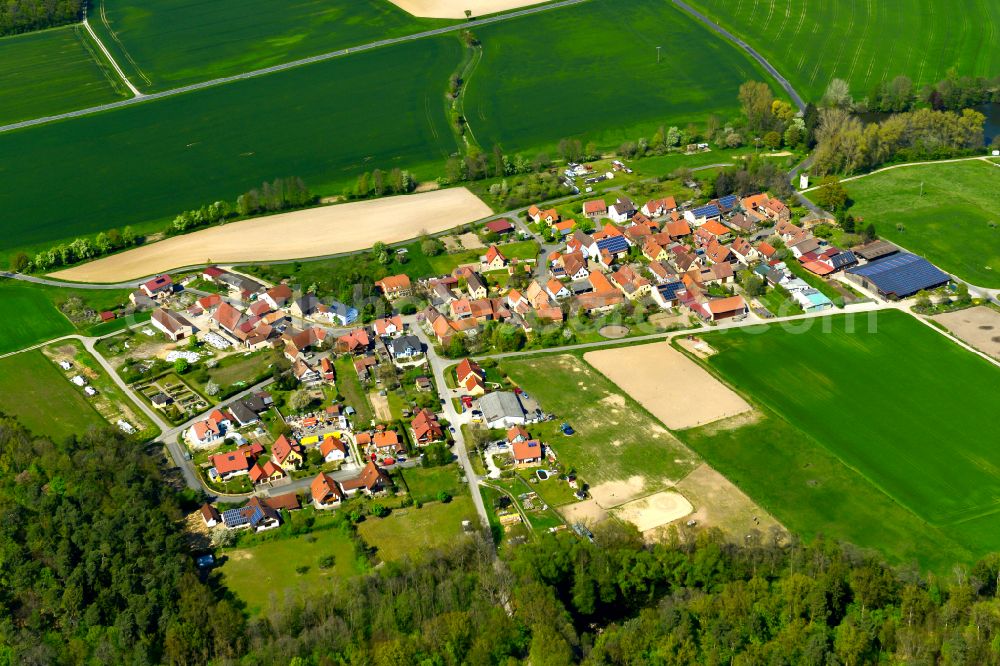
292,64
107,54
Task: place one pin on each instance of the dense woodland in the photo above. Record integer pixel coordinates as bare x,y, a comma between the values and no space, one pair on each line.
25,15
96,569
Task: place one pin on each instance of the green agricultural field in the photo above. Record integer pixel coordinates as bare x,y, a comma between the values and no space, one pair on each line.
811,43
267,569
410,532
33,314
163,44
53,71
870,434
35,391
955,223
615,438
590,72
325,123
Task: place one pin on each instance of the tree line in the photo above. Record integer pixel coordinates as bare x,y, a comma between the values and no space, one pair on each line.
844,144
17,16
952,93
379,183
80,249
271,197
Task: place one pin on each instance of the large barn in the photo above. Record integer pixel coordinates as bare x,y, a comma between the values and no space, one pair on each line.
898,276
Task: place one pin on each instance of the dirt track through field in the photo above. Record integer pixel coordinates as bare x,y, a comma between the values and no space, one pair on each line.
455,9
672,387
296,235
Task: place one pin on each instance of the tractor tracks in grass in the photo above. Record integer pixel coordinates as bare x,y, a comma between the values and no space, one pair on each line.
107,54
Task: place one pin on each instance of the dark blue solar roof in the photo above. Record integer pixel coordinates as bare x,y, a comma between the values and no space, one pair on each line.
902,274
234,517
711,210
727,202
845,258
613,244
669,290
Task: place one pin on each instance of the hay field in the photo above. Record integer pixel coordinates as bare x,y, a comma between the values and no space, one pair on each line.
295,235
674,389
811,43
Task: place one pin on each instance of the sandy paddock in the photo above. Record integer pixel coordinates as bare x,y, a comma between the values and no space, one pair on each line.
675,389
588,512
613,493
455,9
721,504
296,235
655,510
978,326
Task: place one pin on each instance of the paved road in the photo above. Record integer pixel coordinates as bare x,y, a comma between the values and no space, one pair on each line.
782,81
437,367
288,65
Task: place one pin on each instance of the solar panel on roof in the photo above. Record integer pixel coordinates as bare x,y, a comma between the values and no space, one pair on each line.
613,244
669,290
234,517
727,202
711,210
902,274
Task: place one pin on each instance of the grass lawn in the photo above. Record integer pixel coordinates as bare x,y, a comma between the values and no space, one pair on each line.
410,531
426,482
32,311
259,571
337,277
349,387
163,44
52,71
816,282
444,264
779,303
949,224
585,56
901,415
188,150
35,391
615,438
811,43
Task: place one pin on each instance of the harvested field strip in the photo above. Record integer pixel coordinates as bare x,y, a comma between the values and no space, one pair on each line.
313,232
